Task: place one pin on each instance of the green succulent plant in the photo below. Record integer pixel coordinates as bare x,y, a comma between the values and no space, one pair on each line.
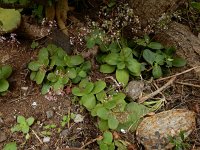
5,72
10,20
54,68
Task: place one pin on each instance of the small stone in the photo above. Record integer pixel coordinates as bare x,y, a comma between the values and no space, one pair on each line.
49,114
78,118
34,105
3,136
134,89
64,132
46,139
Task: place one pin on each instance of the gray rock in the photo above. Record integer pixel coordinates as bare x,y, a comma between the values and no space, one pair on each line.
49,114
64,133
46,139
153,131
3,136
134,89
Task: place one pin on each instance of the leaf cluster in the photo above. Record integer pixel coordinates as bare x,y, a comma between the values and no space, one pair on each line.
110,107
54,68
5,72
156,55
23,125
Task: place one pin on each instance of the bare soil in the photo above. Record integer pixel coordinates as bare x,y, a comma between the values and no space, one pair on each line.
23,94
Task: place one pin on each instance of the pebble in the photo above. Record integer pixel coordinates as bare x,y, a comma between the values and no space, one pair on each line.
49,114
134,89
64,132
3,136
46,139
78,118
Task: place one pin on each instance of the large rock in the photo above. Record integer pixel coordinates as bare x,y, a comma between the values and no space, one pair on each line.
154,131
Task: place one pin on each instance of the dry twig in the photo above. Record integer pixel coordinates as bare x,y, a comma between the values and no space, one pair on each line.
188,84
143,99
178,74
37,136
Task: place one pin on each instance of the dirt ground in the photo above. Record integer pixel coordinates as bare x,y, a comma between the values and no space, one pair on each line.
24,98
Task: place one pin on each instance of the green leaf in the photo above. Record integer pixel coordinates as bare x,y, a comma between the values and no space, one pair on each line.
10,146
102,113
178,62
103,146
105,68
25,129
90,42
89,101
121,65
114,47
98,86
195,5
52,77
146,38
113,122
4,85
34,65
159,59
5,71
40,76
122,76
110,104
101,96
141,42
149,56
10,20
83,90
86,66
112,59
155,45
71,72
45,88
34,45
134,67
76,60
58,85
125,53
157,71
107,137
103,125
21,119
16,128
136,112
82,74
43,54
30,121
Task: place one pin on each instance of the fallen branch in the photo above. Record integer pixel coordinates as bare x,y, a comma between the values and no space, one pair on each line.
143,99
178,74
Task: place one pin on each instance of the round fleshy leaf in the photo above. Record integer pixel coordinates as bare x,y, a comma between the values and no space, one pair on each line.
5,71
4,85
98,86
40,76
10,20
30,121
102,113
34,66
89,101
113,122
122,76
105,68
